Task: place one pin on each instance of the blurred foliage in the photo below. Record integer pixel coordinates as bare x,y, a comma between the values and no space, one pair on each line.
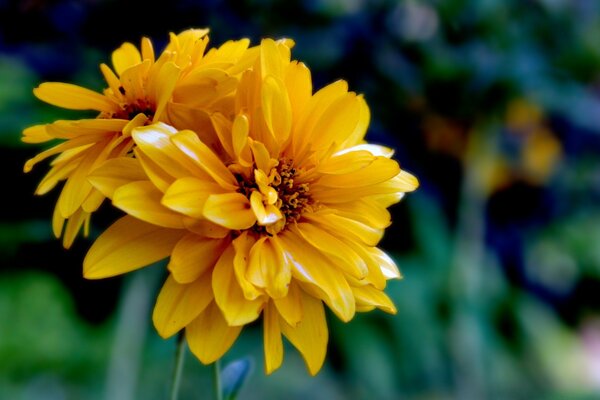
493,104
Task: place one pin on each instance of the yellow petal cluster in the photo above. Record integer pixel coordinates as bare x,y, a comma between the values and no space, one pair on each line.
262,193
141,89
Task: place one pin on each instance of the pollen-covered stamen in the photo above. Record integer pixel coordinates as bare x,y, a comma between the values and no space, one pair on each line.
292,198
130,109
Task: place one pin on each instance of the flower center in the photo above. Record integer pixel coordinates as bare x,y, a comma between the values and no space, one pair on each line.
130,109
281,194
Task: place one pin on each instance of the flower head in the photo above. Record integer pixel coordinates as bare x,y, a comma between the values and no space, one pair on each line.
142,89
278,215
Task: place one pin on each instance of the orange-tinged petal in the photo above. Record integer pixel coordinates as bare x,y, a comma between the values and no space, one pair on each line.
73,97
77,187
70,129
366,211
125,57
298,82
189,143
310,336
317,105
380,170
58,222
309,266
167,78
269,268
241,148
73,226
193,255
271,61
126,245
114,173
57,173
242,245
346,163
155,142
337,122
290,306
262,158
147,49
70,144
133,82
360,128
229,296
158,176
114,83
36,134
179,304
188,195
349,261
231,210
205,228
368,295
93,201
142,200
209,336
223,129
272,339
276,107
342,226
375,275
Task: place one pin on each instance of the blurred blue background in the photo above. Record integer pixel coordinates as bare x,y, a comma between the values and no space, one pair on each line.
493,104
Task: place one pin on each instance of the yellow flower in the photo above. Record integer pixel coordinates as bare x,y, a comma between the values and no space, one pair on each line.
143,90
282,216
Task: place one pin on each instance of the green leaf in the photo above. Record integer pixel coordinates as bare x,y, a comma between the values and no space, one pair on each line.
234,375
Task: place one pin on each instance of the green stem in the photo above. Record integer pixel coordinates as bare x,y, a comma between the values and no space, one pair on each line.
217,380
179,358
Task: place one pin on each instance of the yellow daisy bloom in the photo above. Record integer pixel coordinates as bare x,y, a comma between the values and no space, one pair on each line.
141,90
282,216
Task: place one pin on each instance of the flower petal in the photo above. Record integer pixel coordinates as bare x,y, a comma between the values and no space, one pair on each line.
348,260
269,268
188,195
114,173
178,304
290,306
36,134
189,143
155,142
229,296
272,339
73,97
310,336
380,170
193,255
242,245
125,57
209,336
310,267
142,200
264,216
166,80
342,226
231,210
368,295
77,187
277,110
126,245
